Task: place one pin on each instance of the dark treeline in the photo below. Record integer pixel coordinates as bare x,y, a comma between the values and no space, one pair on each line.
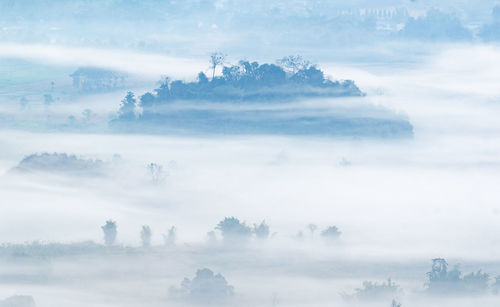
60,163
292,78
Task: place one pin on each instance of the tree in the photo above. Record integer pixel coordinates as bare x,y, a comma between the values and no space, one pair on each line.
170,237
216,59
312,228
146,235
202,78
311,76
443,282
127,108
270,75
156,173
395,304
293,63
109,230
331,233
163,92
147,100
205,287
234,231
439,270
261,231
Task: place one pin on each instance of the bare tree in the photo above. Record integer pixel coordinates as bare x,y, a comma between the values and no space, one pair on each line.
216,59
156,172
312,228
294,63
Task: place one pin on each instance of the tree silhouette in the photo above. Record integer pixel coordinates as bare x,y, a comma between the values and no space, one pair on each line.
109,230
146,235
216,59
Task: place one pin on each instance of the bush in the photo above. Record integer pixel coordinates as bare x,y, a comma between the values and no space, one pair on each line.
204,288
330,234
233,230
261,231
109,230
375,291
441,281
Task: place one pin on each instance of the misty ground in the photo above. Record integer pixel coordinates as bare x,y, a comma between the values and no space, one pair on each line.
398,203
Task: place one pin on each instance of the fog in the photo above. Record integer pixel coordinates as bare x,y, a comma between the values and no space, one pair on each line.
337,208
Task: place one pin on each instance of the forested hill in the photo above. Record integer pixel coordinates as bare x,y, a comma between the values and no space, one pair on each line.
248,81
253,98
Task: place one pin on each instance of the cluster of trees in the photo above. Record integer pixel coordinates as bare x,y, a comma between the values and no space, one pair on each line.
109,230
375,291
290,78
330,234
444,281
59,162
441,281
206,287
234,231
